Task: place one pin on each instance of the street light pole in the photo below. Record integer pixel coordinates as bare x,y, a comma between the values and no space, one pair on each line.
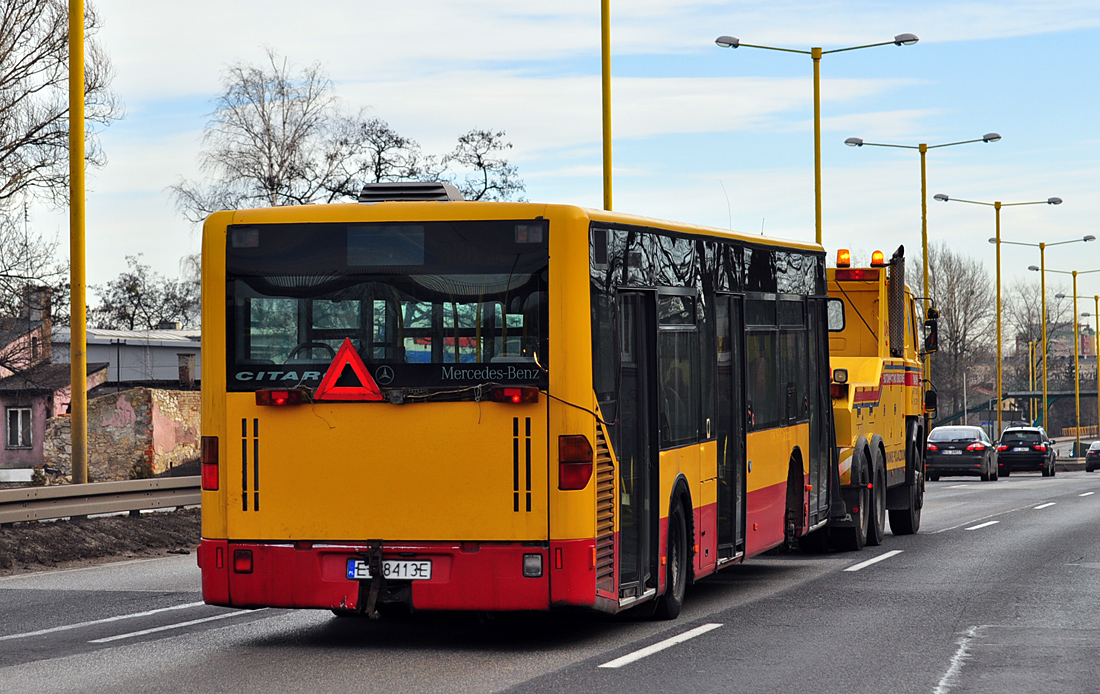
815,54
923,149
966,411
605,89
1076,354
997,240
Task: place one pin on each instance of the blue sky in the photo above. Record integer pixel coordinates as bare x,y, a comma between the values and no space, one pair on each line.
700,133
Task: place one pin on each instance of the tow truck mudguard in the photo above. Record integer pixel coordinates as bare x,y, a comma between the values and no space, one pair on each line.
850,492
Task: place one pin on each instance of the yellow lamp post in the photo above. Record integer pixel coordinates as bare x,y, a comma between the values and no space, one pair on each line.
1076,354
997,241
78,339
815,54
605,90
1041,269
1096,352
1031,376
923,149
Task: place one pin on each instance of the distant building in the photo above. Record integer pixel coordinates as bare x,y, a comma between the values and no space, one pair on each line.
164,356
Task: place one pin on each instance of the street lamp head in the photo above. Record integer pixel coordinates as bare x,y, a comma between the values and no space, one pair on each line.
1054,201
728,41
1059,295
993,239
991,137
941,197
1088,238
854,142
1033,268
905,39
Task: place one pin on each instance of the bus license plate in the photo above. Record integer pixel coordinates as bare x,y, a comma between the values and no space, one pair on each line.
952,452
392,569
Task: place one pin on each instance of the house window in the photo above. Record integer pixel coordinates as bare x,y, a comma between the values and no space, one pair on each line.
18,427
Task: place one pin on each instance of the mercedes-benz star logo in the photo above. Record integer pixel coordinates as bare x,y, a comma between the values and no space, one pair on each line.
384,375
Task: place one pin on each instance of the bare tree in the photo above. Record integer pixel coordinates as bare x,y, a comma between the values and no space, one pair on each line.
490,176
1023,322
263,140
277,137
34,107
27,259
141,299
963,294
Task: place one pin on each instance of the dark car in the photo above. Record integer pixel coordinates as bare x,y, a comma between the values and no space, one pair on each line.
1025,449
960,450
1092,457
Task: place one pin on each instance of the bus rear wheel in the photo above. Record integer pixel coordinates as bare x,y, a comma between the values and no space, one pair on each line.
676,568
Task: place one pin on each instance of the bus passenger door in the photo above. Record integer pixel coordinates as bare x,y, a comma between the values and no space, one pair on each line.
637,442
731,426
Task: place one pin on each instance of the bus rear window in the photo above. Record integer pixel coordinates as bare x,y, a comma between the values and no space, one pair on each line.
442,304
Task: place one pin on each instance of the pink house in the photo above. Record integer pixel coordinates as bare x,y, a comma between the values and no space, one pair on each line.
31,388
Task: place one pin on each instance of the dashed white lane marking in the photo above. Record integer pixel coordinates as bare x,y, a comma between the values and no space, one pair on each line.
100,621
951,677
865,564
660,646
154,630
979,526
1087,494
1046,505
958,486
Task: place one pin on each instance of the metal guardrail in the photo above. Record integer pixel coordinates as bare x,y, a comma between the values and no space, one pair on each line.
69,500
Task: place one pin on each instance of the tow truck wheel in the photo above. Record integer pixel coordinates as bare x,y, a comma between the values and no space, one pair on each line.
876,523
854,538
907,521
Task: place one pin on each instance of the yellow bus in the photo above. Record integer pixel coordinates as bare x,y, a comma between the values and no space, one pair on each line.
423,403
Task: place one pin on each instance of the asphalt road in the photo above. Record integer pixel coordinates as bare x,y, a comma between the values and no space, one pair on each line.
998,593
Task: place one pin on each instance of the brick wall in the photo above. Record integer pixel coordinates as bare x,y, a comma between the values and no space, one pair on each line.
148,427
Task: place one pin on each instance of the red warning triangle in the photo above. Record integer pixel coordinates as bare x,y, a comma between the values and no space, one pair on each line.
347,356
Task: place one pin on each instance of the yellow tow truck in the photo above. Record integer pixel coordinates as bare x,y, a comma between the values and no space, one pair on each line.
880,401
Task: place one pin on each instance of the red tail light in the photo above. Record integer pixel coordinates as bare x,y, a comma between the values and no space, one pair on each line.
574,462
209,453
838,391
856,275
1002,448
976,446
521,394
277,398
932,447
1041,448
242,561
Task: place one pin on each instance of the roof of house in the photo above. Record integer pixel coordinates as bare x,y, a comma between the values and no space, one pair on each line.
44,377
11,329
103,337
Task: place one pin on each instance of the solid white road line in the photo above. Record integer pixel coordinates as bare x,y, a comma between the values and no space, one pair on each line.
958,486
951,677
1050,503
657,647
865,564
1087,494
983,525
143,632
100,621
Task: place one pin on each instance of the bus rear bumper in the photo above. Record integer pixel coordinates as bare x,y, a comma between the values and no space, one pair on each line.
464,576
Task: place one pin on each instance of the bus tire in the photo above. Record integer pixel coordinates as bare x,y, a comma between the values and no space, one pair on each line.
876,522
676,566
854,538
